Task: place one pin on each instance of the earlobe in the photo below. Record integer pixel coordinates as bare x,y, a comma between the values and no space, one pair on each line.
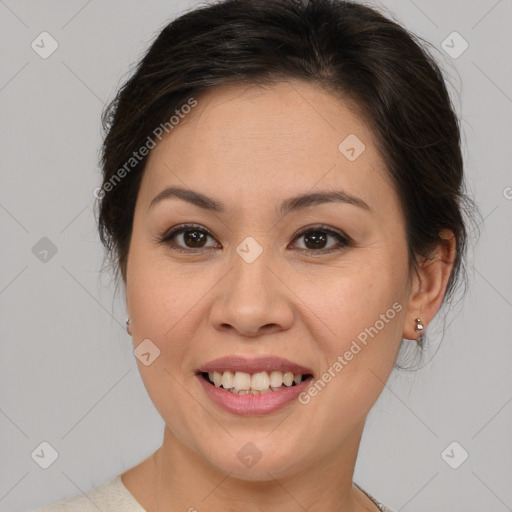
429,286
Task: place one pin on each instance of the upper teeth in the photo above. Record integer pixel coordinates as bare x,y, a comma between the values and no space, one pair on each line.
245,383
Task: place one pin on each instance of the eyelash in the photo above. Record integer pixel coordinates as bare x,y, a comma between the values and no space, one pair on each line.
344,240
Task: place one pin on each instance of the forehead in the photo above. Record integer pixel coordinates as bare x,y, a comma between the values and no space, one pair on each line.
274,141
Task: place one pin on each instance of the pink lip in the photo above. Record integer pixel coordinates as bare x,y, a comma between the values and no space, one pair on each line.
246,405
264,403
255,365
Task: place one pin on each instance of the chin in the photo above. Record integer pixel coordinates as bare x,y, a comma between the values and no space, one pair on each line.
254,461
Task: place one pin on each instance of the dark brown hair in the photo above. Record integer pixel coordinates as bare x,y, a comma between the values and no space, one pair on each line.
347,48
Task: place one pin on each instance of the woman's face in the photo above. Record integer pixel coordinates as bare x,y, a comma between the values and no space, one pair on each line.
262,276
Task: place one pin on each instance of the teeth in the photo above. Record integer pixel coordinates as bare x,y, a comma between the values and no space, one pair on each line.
242,381
246,384
276,379
217,378
288,379
259,381
227,380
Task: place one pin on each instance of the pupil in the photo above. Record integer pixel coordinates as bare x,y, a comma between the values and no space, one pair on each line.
313,240
194,238
317,239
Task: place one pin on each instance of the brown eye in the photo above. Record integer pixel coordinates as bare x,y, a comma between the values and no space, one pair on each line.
188,237
316,240
191,237
194,238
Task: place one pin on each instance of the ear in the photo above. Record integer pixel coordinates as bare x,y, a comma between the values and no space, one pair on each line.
429,285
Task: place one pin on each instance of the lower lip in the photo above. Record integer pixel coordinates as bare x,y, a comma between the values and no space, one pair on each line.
245,405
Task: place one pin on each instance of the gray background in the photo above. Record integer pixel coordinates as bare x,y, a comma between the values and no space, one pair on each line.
68,375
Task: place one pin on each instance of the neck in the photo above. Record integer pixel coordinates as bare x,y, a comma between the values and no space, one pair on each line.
182,480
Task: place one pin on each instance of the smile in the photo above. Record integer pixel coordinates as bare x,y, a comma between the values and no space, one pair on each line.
253,387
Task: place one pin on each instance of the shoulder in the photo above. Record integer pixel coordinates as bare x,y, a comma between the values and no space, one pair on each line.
110,496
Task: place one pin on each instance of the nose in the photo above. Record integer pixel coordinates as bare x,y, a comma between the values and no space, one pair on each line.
253,299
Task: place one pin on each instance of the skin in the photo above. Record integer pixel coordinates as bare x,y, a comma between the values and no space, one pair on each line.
252,147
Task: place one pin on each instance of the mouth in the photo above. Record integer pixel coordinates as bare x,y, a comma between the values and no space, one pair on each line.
253,386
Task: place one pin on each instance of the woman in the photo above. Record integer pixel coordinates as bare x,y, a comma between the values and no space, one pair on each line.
283,199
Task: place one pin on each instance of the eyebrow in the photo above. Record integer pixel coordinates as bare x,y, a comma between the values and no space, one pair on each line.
289,205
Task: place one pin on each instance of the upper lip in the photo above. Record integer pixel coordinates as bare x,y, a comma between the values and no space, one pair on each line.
253,365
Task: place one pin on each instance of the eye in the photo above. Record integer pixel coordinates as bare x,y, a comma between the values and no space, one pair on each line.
191,237
316,239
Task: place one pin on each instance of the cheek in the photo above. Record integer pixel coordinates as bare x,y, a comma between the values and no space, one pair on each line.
351,297
158,302
161,301
159,294
356,317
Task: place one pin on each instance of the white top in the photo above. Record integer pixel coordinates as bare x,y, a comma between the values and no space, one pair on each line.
113,496
110,496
